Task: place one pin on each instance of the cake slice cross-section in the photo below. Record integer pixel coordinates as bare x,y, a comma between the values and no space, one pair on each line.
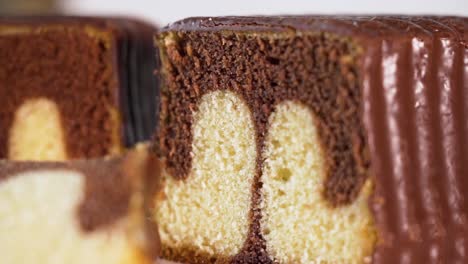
314,139
83,211
75,87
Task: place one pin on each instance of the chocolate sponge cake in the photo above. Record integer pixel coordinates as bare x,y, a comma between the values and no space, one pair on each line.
84,211
314,139
75,87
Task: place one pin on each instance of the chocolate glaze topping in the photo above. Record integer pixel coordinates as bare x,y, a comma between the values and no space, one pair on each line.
411,75
136,61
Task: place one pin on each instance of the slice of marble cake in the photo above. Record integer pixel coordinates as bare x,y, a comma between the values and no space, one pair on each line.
75,87
84,211
314,139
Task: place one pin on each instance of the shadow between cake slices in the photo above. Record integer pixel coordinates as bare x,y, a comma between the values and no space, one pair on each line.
86,211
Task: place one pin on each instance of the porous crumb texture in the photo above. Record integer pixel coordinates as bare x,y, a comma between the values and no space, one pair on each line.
297,223
39,223
207,214
36,132
73,69
264,70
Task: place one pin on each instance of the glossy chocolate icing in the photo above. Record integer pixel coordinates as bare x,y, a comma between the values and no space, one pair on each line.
415,94
139,92
413,74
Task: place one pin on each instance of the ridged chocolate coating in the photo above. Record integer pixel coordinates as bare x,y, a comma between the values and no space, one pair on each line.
139,87
416,118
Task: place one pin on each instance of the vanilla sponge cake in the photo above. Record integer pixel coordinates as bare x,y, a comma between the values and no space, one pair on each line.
86,211
314,139
75,87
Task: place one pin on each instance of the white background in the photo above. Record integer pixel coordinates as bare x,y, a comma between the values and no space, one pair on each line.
166,11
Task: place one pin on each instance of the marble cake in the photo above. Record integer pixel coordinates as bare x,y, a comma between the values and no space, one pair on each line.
314,139
75,87
76,93
83,211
